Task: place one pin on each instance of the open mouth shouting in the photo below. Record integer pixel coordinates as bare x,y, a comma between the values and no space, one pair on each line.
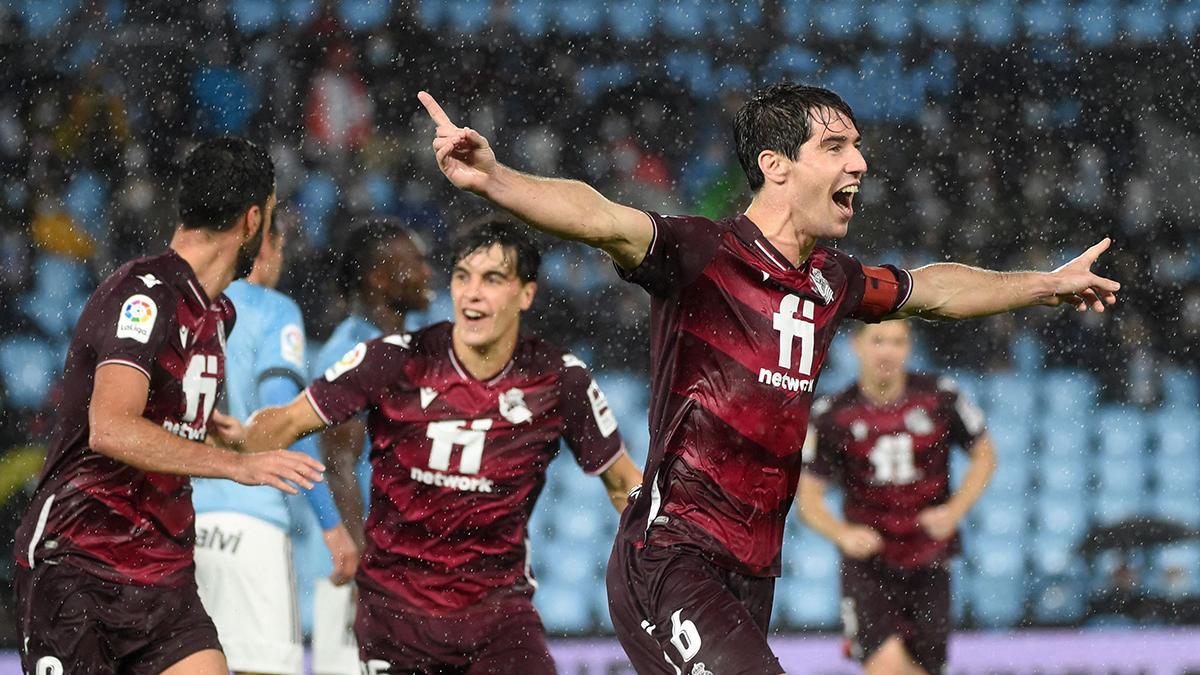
844,199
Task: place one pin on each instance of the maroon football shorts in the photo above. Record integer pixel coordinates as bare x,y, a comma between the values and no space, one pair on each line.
71,621
914,604
675,611
501,635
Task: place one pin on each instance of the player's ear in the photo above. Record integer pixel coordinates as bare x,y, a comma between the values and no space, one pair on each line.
774,166
253,220
528,290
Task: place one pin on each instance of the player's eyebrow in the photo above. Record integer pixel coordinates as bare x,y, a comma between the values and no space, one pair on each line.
841,138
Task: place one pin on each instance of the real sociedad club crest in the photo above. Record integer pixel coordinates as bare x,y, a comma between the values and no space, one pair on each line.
513,408
822,286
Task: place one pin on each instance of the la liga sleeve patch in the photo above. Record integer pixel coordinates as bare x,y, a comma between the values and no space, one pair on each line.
352,358
136,321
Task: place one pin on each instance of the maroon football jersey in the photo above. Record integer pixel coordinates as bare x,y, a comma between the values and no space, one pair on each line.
106,517
738,337
458,463
894,460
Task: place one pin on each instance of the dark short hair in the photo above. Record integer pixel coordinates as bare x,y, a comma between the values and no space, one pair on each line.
490,230
221,178
777,118
363,249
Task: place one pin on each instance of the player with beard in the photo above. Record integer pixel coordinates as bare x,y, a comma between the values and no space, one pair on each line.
886,442
742,314
104,578
384,277
464,418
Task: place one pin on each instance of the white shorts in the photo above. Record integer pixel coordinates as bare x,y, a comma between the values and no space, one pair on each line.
335,651
244,573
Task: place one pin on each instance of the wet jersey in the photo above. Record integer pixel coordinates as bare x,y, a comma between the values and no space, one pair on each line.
457,463
94,512
738,338
893,461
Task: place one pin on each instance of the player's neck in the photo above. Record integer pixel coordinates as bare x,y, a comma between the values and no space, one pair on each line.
383,316
211,260
883,392
485,361
781,227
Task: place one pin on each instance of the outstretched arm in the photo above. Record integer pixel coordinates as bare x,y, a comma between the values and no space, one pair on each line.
282,425
953,291
563,208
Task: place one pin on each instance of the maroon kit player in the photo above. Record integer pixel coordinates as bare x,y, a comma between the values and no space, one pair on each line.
886,442
742,313
105,581
463,419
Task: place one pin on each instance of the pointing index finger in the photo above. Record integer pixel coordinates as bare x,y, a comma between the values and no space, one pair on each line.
435,111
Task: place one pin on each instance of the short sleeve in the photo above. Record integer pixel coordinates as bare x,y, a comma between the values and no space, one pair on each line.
966,418
681,248
589,426
821,455
875,292
132,324
358,381
282,353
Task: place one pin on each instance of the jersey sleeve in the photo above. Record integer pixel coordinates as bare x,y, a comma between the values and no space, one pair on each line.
282,353
134,322
681,248
822,456
589,426
874,292
966,419
358,381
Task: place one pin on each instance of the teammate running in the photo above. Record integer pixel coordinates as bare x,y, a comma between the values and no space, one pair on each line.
464,418
886,442
104,578
742,314
243,561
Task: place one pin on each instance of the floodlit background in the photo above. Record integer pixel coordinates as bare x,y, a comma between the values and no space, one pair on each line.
1008,134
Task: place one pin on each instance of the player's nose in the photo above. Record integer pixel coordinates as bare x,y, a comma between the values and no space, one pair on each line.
857,164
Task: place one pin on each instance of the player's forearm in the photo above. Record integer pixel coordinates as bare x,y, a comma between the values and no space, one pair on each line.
815,512
975,480
270,429
953,291
347,495
320,497
144,445
572,210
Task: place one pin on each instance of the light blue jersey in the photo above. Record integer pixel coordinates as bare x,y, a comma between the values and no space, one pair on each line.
264,366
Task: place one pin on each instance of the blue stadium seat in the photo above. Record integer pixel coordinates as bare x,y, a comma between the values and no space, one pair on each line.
29,366
1175,570
795,15
467,16
997,586
432,13
1176,474
941,20
790,61
1069,394
632,20
1027,353
1063,475
682,19
300,12
729,19
1176,433
1001,517
840,19
316,200
1181,386
1095,23
566,562
578,17
565,608
694,69
1113,507
364,15
1046,19
1181,507
1122,476
254,16
581,521
1059,599
41,17
809,604
960,580
86,198
1062,519
1186,20
531,18
1010,396
891,21
1124,432
1145,21
814,559
994,21
1066,440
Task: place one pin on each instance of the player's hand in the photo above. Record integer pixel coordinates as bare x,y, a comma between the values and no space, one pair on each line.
226,430
859,542
279,469
939,522
1075,284
463,155
344,553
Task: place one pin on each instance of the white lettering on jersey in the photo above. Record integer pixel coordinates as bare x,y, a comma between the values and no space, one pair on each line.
449,434
783,380
791,327
427,396
200,382
893,460
605,420
452,481
138,315
291,345
352,358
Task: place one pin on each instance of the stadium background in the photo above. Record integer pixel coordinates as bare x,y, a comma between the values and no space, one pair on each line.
1009,134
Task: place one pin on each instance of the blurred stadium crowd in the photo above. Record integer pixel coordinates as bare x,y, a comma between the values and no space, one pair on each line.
1006,134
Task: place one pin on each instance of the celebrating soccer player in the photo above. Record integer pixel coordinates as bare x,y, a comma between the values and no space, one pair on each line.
743,312
104,574
243,565
886,441
464,418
